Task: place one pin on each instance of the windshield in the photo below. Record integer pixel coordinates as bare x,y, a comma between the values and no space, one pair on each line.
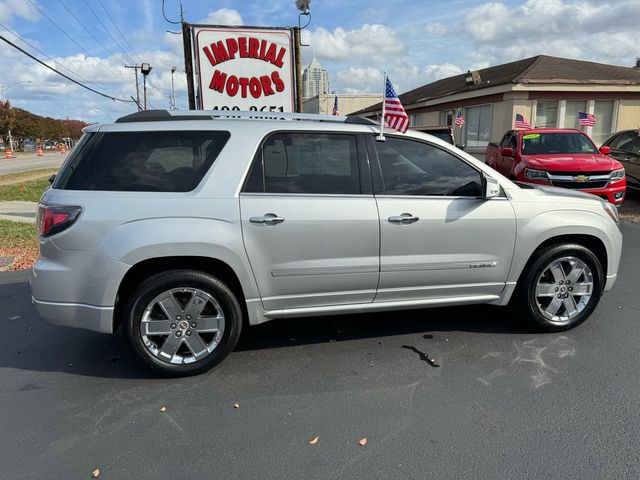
543,143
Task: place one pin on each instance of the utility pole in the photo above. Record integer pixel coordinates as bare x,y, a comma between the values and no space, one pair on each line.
136,68
299,102
188,60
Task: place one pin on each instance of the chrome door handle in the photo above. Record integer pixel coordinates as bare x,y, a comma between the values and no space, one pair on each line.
267,219
405,219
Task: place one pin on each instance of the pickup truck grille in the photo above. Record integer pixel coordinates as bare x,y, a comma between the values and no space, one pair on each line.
580,185
580,180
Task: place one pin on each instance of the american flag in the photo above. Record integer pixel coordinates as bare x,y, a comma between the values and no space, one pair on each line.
394,115
335,106
459,118
586,119
521,122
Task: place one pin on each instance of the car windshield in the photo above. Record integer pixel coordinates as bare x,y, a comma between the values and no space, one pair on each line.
544,143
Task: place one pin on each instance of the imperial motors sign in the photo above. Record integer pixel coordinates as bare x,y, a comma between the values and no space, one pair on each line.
245,68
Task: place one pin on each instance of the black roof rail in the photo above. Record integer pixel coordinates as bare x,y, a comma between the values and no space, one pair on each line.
357,119
164,115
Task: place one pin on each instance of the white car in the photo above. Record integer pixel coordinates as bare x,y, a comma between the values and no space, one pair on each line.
184,226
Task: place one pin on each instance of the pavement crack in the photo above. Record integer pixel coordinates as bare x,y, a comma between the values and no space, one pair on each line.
423,356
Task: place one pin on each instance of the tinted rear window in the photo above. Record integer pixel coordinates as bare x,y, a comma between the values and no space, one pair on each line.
162,161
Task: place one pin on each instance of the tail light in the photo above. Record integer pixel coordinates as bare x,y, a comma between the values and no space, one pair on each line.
54,219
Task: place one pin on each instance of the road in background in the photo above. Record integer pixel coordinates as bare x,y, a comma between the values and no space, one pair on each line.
459,393
26,162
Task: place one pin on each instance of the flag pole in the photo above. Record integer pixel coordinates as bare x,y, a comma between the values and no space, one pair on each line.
380,137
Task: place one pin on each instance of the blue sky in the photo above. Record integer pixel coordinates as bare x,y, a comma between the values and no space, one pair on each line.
416,41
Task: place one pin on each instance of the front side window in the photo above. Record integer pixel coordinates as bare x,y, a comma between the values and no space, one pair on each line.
313,163
478,126
550,143
414,168
158,161
627,142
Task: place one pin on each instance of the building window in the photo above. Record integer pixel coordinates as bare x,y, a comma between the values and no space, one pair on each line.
571,113
415,120
603,110
477,126
546,113
446,117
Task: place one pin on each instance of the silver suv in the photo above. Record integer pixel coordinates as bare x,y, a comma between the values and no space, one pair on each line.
184,227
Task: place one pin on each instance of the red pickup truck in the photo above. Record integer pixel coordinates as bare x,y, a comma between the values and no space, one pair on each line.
559,157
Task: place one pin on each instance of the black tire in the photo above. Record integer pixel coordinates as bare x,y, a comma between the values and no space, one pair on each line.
176,279
525,302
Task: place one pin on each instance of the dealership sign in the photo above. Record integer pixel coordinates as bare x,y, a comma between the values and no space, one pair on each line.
244,68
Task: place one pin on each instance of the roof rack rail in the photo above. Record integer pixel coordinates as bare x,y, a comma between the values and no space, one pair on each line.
164,115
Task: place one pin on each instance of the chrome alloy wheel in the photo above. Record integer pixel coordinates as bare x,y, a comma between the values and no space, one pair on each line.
182,325
564,289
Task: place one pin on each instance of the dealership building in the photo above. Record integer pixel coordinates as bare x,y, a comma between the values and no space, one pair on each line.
547,91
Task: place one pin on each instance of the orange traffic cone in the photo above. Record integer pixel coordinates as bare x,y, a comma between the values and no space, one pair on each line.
8,153
40,152
62,150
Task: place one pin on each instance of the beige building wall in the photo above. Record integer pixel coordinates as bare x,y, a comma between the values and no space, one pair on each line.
628,114
431,118
323,104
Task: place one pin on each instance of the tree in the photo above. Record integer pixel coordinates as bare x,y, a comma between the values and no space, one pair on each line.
637,63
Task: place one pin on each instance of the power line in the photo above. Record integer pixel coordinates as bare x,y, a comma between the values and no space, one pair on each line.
115,99
70,38
85,27
104,27
118,30
47,56
165,17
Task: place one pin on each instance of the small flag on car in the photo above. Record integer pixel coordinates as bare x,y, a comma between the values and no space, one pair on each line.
459,118
394,114
586,119
335,106
521,122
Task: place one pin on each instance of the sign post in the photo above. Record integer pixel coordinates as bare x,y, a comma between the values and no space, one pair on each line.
244,68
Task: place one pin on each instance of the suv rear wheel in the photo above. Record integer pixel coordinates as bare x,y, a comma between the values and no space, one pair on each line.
183,322
561,287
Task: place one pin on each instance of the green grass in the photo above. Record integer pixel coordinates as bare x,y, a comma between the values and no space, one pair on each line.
17,234
21,177
29,191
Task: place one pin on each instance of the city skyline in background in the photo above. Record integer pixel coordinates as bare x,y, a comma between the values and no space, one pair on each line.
415,43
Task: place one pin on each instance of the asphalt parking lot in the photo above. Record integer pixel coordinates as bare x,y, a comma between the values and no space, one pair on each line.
461,393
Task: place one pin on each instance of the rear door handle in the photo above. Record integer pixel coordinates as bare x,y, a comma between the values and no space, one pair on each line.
267,219
405,219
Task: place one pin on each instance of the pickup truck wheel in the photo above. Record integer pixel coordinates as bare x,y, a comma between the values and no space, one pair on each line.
560,288
183,322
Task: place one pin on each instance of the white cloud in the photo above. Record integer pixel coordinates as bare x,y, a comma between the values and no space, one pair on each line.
436,28
371,42
17,8
587,30
223,16
404,77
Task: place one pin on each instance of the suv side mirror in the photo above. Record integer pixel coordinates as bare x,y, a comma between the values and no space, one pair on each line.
491,188
605,150
507,151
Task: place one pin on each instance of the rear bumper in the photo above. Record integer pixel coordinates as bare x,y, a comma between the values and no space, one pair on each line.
76,315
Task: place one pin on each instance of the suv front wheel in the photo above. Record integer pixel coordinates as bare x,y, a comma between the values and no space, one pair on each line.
560,288
183,322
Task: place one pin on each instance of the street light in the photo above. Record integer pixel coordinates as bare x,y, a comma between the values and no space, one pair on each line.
173,90
145,68
303,6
